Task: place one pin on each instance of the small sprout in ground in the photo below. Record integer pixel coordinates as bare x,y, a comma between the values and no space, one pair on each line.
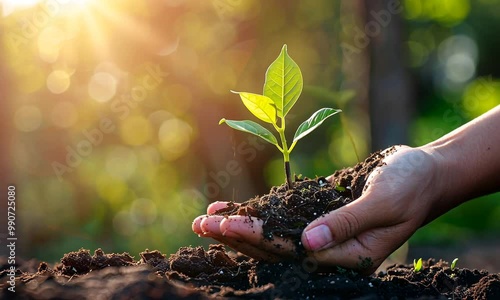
282,88
417,265
454,264
340,188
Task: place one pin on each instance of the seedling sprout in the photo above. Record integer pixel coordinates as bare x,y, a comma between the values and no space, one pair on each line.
282,88
417,265
454,264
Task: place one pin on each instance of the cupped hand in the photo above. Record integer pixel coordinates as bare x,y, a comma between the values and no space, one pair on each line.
242,233
397,200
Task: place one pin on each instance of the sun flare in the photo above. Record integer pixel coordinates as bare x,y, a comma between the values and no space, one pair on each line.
10,6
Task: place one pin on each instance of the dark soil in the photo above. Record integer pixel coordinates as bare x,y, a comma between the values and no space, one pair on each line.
196,273
193,273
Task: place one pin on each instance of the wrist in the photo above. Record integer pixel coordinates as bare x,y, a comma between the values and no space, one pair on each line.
442,177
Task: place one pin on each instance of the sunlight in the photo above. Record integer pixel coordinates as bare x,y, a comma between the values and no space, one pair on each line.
10,6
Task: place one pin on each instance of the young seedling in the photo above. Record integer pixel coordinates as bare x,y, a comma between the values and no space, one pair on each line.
282,88
417,265
454,264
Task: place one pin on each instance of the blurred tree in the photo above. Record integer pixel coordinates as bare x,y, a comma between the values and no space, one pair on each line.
392,100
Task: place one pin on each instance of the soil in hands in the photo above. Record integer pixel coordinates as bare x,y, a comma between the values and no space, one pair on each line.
196,273
286,212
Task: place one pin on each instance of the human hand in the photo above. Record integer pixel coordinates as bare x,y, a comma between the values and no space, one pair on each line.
397,201
242,233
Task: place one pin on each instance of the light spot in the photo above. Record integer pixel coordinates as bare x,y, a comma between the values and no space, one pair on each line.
110,68
58,81
49,43
459,68
481,95
175,137
169,47
458,54
111,189
159,116
102,86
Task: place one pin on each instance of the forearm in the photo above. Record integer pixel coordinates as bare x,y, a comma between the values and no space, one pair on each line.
467,161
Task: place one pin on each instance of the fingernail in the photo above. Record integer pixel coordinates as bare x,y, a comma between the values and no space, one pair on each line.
319,237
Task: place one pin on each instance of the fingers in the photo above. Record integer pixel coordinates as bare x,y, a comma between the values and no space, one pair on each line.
251,231
241,233
218,205
242,227
244,234
364,252
340,225
210,226
196,225
344,223
248,249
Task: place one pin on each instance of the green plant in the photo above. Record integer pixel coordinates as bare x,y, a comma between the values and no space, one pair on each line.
417,265
282,88
454,264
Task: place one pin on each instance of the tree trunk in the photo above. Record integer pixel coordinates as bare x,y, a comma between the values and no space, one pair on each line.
391,98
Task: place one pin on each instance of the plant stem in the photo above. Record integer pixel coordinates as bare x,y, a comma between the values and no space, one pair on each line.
289,182
286,153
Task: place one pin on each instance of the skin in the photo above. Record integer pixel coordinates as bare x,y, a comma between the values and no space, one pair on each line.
415,186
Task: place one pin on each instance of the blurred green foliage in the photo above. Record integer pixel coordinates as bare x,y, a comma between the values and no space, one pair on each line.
453,61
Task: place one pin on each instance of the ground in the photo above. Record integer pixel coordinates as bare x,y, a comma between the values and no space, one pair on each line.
198,273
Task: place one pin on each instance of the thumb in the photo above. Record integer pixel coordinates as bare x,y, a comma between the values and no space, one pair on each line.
341,224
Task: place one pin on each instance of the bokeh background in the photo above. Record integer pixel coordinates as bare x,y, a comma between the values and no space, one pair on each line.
109,110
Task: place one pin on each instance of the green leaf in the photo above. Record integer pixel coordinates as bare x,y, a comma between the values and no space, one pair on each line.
253,128
454,264
260,106
340,188
417,265
283,83
314,121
